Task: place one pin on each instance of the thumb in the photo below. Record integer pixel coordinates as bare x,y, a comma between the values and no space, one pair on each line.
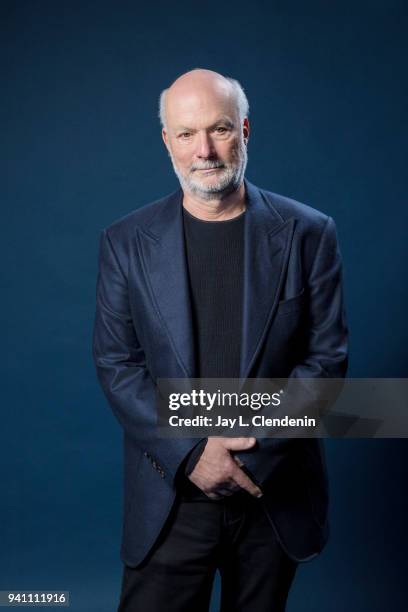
239,443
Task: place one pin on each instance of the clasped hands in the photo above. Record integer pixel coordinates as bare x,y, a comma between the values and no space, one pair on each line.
218,473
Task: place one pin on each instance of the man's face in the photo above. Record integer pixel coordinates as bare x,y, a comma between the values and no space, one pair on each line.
205,140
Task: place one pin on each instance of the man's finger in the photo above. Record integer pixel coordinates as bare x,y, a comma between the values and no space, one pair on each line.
237,444
246,483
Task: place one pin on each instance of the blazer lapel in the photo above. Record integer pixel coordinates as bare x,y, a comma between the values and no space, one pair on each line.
164,256
266,251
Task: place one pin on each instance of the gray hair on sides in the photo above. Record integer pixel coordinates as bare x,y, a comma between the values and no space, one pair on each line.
241,99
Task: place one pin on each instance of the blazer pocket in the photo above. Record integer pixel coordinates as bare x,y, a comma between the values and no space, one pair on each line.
292,304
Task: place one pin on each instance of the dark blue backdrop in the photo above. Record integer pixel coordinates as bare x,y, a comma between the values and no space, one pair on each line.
81,147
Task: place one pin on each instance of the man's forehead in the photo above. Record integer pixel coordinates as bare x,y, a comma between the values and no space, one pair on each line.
201,105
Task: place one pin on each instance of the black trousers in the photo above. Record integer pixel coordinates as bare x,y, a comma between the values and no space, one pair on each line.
232,535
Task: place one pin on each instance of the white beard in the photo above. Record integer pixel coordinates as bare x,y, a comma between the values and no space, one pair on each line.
228,179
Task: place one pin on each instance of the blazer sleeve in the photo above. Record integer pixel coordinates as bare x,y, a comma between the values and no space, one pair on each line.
121,367
327,353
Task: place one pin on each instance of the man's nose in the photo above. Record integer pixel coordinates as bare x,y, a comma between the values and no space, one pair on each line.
204,145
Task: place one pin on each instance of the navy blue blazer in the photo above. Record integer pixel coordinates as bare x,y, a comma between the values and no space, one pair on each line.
293,326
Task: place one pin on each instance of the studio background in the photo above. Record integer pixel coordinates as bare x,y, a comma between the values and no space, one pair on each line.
81,146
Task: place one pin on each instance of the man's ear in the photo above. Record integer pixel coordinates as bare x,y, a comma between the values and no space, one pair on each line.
245,129
165,138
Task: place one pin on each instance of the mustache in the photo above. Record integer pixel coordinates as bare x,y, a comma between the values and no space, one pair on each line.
209,165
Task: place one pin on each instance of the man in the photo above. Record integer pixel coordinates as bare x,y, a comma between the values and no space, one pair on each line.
219,279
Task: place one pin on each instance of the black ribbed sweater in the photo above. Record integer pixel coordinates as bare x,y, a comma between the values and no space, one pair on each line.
215,257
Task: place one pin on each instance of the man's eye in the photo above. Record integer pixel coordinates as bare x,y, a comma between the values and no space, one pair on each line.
221,130
185,135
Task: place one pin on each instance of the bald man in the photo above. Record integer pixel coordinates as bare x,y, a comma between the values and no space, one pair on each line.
220,279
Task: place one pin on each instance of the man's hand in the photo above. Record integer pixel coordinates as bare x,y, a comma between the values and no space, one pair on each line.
217,472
